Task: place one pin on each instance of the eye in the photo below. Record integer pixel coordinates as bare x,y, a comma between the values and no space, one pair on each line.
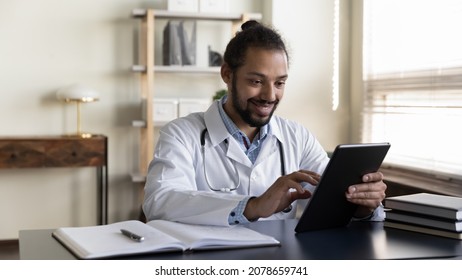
280,84
255,82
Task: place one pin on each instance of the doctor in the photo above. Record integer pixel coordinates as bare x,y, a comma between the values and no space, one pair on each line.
236,162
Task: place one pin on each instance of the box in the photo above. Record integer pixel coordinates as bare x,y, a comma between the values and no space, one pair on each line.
164,110
183,5
192,105
214,6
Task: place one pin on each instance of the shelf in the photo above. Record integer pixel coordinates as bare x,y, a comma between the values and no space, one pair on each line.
178,69
138,178
139,123
164,14
142,124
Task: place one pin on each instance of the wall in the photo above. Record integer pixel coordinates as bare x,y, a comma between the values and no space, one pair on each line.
308,29
356,86
47,44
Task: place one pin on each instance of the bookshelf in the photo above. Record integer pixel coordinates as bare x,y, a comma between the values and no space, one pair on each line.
147,69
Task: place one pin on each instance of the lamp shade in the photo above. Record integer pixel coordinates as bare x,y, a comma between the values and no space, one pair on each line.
77,92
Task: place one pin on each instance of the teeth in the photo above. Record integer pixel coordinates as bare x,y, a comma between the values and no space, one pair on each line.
263,104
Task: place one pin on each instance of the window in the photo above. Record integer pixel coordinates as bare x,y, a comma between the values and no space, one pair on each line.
412,74
336,57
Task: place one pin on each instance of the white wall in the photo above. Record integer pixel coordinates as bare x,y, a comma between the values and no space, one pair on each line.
47,44
307,26
356,85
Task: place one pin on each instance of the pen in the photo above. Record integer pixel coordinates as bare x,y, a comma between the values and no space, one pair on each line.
132,236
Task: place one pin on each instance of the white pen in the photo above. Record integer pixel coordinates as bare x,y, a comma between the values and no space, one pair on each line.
132,236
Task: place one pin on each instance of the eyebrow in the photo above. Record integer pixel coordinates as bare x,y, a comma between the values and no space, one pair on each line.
264,76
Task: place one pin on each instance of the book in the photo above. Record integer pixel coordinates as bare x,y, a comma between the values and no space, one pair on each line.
105,241
423,229
443,206
171,47
424,220
178,48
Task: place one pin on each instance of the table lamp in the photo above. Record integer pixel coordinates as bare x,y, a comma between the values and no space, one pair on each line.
78,94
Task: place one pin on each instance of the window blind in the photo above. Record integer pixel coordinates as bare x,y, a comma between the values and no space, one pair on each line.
412,74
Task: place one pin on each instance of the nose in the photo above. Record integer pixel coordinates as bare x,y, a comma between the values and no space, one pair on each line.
269,92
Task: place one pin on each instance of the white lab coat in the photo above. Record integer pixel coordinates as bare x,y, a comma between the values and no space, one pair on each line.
176,188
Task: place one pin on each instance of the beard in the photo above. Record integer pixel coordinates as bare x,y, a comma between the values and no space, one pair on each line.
245,113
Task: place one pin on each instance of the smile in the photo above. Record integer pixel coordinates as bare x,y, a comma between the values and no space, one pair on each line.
263,108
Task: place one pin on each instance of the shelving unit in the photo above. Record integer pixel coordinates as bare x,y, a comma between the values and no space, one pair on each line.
178,69
147,69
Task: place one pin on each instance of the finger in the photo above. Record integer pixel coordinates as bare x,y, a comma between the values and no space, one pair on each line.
297,186
297,195
370,203
373,195
372,177
357,190
294,181
305,176
378,186
311,173
285,184
367,195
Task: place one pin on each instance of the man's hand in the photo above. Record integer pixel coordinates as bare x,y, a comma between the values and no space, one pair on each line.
368,195
281,194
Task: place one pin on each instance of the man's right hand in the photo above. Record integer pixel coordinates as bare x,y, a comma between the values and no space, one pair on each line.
281,194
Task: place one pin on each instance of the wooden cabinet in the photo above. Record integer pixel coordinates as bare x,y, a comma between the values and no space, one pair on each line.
60,151
53,151
147,69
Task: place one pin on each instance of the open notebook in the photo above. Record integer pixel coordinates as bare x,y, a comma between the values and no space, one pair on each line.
159,236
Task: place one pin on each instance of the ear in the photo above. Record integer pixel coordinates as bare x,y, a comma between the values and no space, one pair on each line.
226,73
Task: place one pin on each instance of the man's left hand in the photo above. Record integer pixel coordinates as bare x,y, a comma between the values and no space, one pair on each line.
368,195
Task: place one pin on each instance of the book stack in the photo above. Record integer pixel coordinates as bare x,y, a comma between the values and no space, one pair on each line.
426,213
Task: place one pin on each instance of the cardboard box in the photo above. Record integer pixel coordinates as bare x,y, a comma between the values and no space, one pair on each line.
214,6
192,105
164,110
183,5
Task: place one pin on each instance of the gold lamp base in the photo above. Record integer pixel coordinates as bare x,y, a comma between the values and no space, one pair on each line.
78,94
78,103
79,135
79,123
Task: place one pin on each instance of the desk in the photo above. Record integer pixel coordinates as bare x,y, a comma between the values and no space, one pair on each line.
60,151
358,241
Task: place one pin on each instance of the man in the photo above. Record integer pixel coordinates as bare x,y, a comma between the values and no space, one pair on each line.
236,162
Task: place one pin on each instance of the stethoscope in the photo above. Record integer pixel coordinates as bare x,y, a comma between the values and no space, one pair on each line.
237,178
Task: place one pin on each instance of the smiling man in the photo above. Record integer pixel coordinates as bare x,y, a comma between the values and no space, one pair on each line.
237,162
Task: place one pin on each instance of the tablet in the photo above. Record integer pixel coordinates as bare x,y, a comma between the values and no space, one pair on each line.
328,207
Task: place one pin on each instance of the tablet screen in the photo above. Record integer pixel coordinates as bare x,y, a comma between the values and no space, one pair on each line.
328,207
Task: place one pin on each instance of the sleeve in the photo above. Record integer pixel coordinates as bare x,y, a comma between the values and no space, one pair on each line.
377,216
237,214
